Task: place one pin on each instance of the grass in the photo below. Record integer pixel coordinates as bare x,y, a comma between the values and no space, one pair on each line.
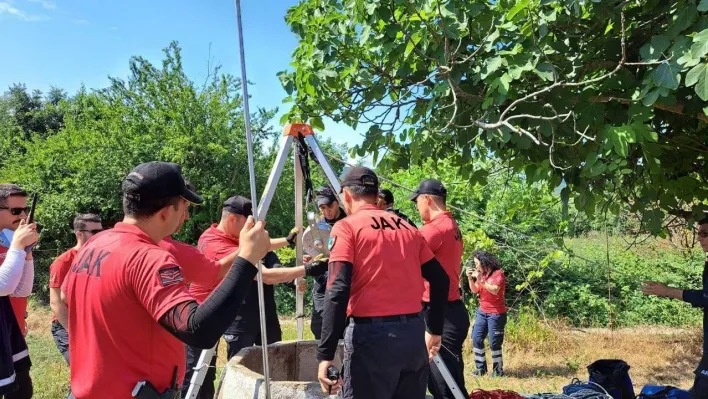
538,357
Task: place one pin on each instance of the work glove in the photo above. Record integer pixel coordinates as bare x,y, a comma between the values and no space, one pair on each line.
292,236
317,268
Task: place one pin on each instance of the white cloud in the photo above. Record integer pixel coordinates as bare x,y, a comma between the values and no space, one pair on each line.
6,8
80,22
113,28
46,4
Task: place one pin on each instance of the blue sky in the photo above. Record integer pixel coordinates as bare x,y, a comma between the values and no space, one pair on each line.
67,43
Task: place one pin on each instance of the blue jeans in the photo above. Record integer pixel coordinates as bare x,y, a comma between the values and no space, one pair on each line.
492,325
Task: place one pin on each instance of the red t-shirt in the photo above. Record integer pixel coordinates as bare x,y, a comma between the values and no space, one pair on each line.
196,267
120,284
386,253
58,270
214,244
19,304
445,240
488,302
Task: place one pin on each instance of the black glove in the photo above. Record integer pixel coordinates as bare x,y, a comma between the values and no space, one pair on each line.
292,236
317,268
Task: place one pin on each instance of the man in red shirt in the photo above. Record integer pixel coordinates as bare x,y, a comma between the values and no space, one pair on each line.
85,226
444,238
377,265
129,308
222,239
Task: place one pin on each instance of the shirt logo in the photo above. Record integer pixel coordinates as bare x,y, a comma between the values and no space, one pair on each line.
170,275
331,242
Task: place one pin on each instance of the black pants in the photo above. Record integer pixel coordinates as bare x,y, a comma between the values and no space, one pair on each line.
237,340
457,325
61,339
700,386
316,324
492,325
207,390
24,386
385,360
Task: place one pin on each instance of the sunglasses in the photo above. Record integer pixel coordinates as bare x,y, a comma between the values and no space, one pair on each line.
92,231
17,211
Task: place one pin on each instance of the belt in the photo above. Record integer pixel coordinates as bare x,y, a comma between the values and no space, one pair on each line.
385,319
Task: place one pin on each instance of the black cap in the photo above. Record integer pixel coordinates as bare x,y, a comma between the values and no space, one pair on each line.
430,187
158,180
386,195
239,205
325,196
360,176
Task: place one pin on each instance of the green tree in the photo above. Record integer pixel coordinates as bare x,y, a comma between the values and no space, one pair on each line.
603,98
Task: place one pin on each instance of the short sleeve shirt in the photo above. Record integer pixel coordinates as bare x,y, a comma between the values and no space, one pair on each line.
445,240
119,286
214,244
488,302
59,269
386,253
195,266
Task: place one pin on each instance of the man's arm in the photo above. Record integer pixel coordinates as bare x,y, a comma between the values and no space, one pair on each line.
439,286
226,262
697,298
334,314
277,243
61,311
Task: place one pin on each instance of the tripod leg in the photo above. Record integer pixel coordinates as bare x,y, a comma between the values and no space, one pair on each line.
285,144
200,372
329,172
438,362
299,296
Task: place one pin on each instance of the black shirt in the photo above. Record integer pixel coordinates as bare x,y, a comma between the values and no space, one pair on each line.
401,215
320,285
699,299
13,348
248,319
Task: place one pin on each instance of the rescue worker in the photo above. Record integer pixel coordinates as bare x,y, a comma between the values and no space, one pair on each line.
385,203
16,278
376,269
443,236
129,308
331,212
698,299
13,200
221,239
85,225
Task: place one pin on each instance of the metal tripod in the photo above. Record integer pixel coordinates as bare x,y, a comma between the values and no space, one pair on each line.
302,136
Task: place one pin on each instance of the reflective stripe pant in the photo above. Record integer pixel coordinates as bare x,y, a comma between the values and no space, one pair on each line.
492,325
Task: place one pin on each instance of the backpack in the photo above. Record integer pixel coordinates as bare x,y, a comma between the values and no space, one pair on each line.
662,392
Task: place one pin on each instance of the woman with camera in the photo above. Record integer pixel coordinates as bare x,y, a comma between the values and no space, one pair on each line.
487,279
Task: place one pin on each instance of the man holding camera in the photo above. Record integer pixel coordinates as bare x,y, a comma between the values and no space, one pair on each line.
129,308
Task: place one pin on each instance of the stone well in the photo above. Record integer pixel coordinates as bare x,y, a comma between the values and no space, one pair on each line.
293,372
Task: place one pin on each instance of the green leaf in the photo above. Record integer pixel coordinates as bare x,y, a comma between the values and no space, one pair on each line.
700,44
520,5
668,75
545,71
683,19
609,26
491,66
316,123
699,76
653,50
651,97
365,33
703,6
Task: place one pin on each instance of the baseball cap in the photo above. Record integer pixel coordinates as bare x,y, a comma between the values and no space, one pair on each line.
158,180
430,187
325,196
239,205
386,195
360,176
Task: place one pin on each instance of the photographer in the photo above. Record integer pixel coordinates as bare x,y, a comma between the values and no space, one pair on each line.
129,308
16,279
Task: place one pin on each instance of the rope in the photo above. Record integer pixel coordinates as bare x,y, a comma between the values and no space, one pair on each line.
576,390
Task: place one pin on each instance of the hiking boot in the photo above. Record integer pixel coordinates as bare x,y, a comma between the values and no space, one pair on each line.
497,373
479,373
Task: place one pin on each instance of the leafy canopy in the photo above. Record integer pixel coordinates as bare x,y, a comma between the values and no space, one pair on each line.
602,98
